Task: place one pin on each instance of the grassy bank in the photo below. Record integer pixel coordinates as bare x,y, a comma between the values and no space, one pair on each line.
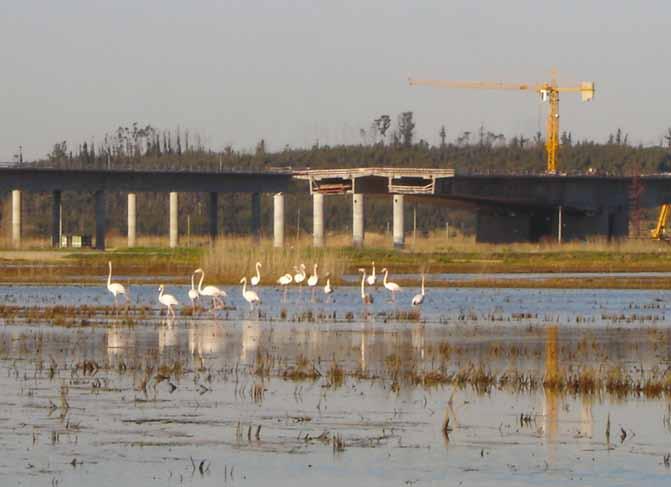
232,257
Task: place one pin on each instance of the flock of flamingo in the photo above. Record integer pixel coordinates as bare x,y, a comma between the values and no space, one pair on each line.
300,275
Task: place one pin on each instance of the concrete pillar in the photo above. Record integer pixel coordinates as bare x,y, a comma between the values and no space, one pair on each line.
358,217
132,215
174,215
278,220
318,219
256,215
16,218
101,226
399,222
56,220
213,216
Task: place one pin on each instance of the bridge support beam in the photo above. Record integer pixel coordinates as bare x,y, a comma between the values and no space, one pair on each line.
16,218
101,224
56,219
256,215
132,219
174,218
278,220
213,216
317,219
399,222
358,220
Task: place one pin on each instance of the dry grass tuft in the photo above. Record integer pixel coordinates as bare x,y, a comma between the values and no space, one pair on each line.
232,258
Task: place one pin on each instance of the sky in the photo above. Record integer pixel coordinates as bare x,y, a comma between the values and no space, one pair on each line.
297,72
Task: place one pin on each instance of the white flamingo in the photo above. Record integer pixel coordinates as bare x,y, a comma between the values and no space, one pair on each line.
167,300
284,281
365,298
299,277
254,281
193,293
210,291
250,296
372,278
392,287
419,298
114,287
313,280
328,290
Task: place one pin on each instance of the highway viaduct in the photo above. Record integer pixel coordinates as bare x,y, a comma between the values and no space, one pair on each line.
509,208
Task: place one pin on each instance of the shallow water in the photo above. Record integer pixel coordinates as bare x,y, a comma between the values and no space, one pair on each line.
534,276
587,306
92,404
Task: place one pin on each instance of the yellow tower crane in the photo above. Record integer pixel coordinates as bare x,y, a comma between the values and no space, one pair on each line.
549,92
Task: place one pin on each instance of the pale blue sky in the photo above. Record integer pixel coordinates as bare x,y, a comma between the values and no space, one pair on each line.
295,71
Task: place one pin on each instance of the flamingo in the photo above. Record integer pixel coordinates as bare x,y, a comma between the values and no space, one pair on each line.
299,277
193,293
167,300
313,280
419,298
328,290
211,291
365,298
254,281
114,287
390,286
284,281
250,296
372,278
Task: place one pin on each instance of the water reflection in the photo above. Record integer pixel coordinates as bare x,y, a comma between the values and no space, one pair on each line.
205,338
251,335
119,340
551,403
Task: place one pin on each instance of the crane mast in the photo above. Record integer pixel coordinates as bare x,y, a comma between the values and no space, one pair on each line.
549,92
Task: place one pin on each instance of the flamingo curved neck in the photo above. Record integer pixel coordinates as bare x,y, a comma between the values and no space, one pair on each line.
386,272
244,287
200,283
258,272
193,286
422,285
363,280
109,276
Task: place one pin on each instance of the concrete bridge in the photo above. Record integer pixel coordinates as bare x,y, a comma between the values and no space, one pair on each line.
99,182
509,207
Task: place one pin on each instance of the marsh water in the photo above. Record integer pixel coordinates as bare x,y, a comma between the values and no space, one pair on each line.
332,392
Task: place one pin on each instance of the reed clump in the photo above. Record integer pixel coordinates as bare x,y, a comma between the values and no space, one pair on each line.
233,257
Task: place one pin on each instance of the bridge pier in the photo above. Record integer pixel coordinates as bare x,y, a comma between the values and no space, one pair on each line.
132,219
317,220
213,216
256,216
101,224
16,218
358,220
56,219
174,219
278,220
399,222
